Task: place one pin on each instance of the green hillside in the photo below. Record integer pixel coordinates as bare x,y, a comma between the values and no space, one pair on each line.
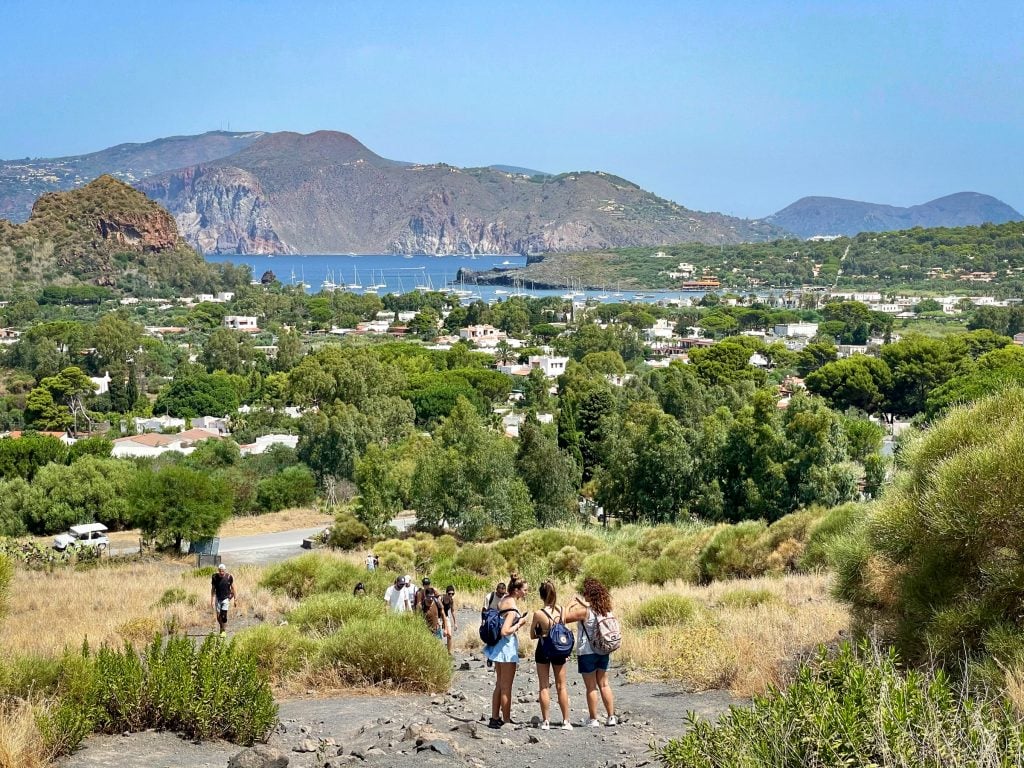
988,258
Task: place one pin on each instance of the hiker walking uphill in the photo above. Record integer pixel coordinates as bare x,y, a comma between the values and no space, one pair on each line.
222,592
599,636
502,647
555,643
448,606
433,614
397,596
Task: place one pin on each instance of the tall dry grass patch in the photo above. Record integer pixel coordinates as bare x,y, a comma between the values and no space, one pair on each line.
52,611
744,634
21,743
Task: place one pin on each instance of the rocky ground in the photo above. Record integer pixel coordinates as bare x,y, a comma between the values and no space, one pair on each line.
405,730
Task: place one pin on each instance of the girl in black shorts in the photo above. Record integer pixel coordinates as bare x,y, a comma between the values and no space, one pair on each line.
539,626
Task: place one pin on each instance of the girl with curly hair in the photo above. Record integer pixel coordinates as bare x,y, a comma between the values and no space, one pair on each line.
587,608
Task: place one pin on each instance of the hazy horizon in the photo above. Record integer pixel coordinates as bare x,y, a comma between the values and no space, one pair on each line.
732,109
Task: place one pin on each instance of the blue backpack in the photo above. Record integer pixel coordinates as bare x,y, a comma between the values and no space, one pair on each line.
491,621
559,640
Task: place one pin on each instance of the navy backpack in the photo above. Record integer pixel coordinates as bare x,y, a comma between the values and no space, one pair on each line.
559,640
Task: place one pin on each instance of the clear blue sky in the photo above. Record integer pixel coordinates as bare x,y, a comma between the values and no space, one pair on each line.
736,107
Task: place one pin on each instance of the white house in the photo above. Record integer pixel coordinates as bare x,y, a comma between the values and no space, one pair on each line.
158,424
153,444
216,424
793,330
102,383
263,443
663,328
552,366
481,333
245,323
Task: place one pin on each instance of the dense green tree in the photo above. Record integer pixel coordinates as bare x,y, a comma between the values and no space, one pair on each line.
919,365
551,475
815,355
91,490
291,487
861,381
727,362
195,393
349,375
229,350
647,475
176,503
289,351
380,497
23,457
115,339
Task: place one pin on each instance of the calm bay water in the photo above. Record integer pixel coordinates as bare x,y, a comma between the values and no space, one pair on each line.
400,274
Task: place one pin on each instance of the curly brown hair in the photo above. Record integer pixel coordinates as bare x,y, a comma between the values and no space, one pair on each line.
595,593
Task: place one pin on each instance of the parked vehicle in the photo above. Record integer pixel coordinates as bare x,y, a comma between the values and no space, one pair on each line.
88,535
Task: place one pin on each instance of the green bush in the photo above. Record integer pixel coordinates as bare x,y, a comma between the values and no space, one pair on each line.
392,650
327,612
396,556
279,651
445,573
291,487
214,690
747,598
611,570
309,574
176,595
826,529
663,610
347,532
855,709
202,573
936,564
735,552
567,563
482,560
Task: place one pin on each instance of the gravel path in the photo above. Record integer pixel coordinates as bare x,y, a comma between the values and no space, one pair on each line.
387,729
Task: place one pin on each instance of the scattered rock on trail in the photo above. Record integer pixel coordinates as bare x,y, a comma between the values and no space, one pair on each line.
260,756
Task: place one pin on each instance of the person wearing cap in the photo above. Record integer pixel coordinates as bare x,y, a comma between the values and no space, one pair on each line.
397,597
222,592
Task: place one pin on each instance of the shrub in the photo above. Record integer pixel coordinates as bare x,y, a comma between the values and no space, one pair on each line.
309,574
735,551
481,560
214,690
202,573
611,570
347,532
825,530
326,613
663,610
396,556
747,598
175,595
291,487
6,577
851,708
279,651
445,573
567,563
396,651
935,564
139,629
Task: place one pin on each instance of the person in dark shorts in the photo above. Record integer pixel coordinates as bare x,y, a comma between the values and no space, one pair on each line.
448,604
433,613
222,592
592,663
539,626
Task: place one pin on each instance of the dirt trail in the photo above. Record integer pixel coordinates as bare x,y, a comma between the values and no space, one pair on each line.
385,729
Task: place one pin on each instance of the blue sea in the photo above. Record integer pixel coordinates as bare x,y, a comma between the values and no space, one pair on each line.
400,274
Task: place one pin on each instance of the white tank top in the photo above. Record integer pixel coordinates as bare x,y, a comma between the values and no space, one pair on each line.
587,627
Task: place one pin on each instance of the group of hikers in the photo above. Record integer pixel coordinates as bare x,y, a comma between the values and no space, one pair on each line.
599,636
438,609
501,620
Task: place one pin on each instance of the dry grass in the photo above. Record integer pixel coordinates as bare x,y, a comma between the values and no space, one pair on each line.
21,744
733,644
53,611
275,522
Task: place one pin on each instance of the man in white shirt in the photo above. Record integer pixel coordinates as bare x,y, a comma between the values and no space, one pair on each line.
371,562
410,592
397,597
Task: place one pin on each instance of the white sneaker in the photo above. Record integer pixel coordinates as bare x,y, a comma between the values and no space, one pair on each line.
592,724
566,725
545,726
612,720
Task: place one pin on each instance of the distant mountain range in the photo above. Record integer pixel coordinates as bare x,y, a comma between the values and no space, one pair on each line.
325,192
810,216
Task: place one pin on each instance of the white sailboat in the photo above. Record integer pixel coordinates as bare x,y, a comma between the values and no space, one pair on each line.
328,284
355,285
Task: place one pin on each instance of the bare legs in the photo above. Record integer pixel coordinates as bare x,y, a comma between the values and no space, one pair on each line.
560,686
598,687
501,699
